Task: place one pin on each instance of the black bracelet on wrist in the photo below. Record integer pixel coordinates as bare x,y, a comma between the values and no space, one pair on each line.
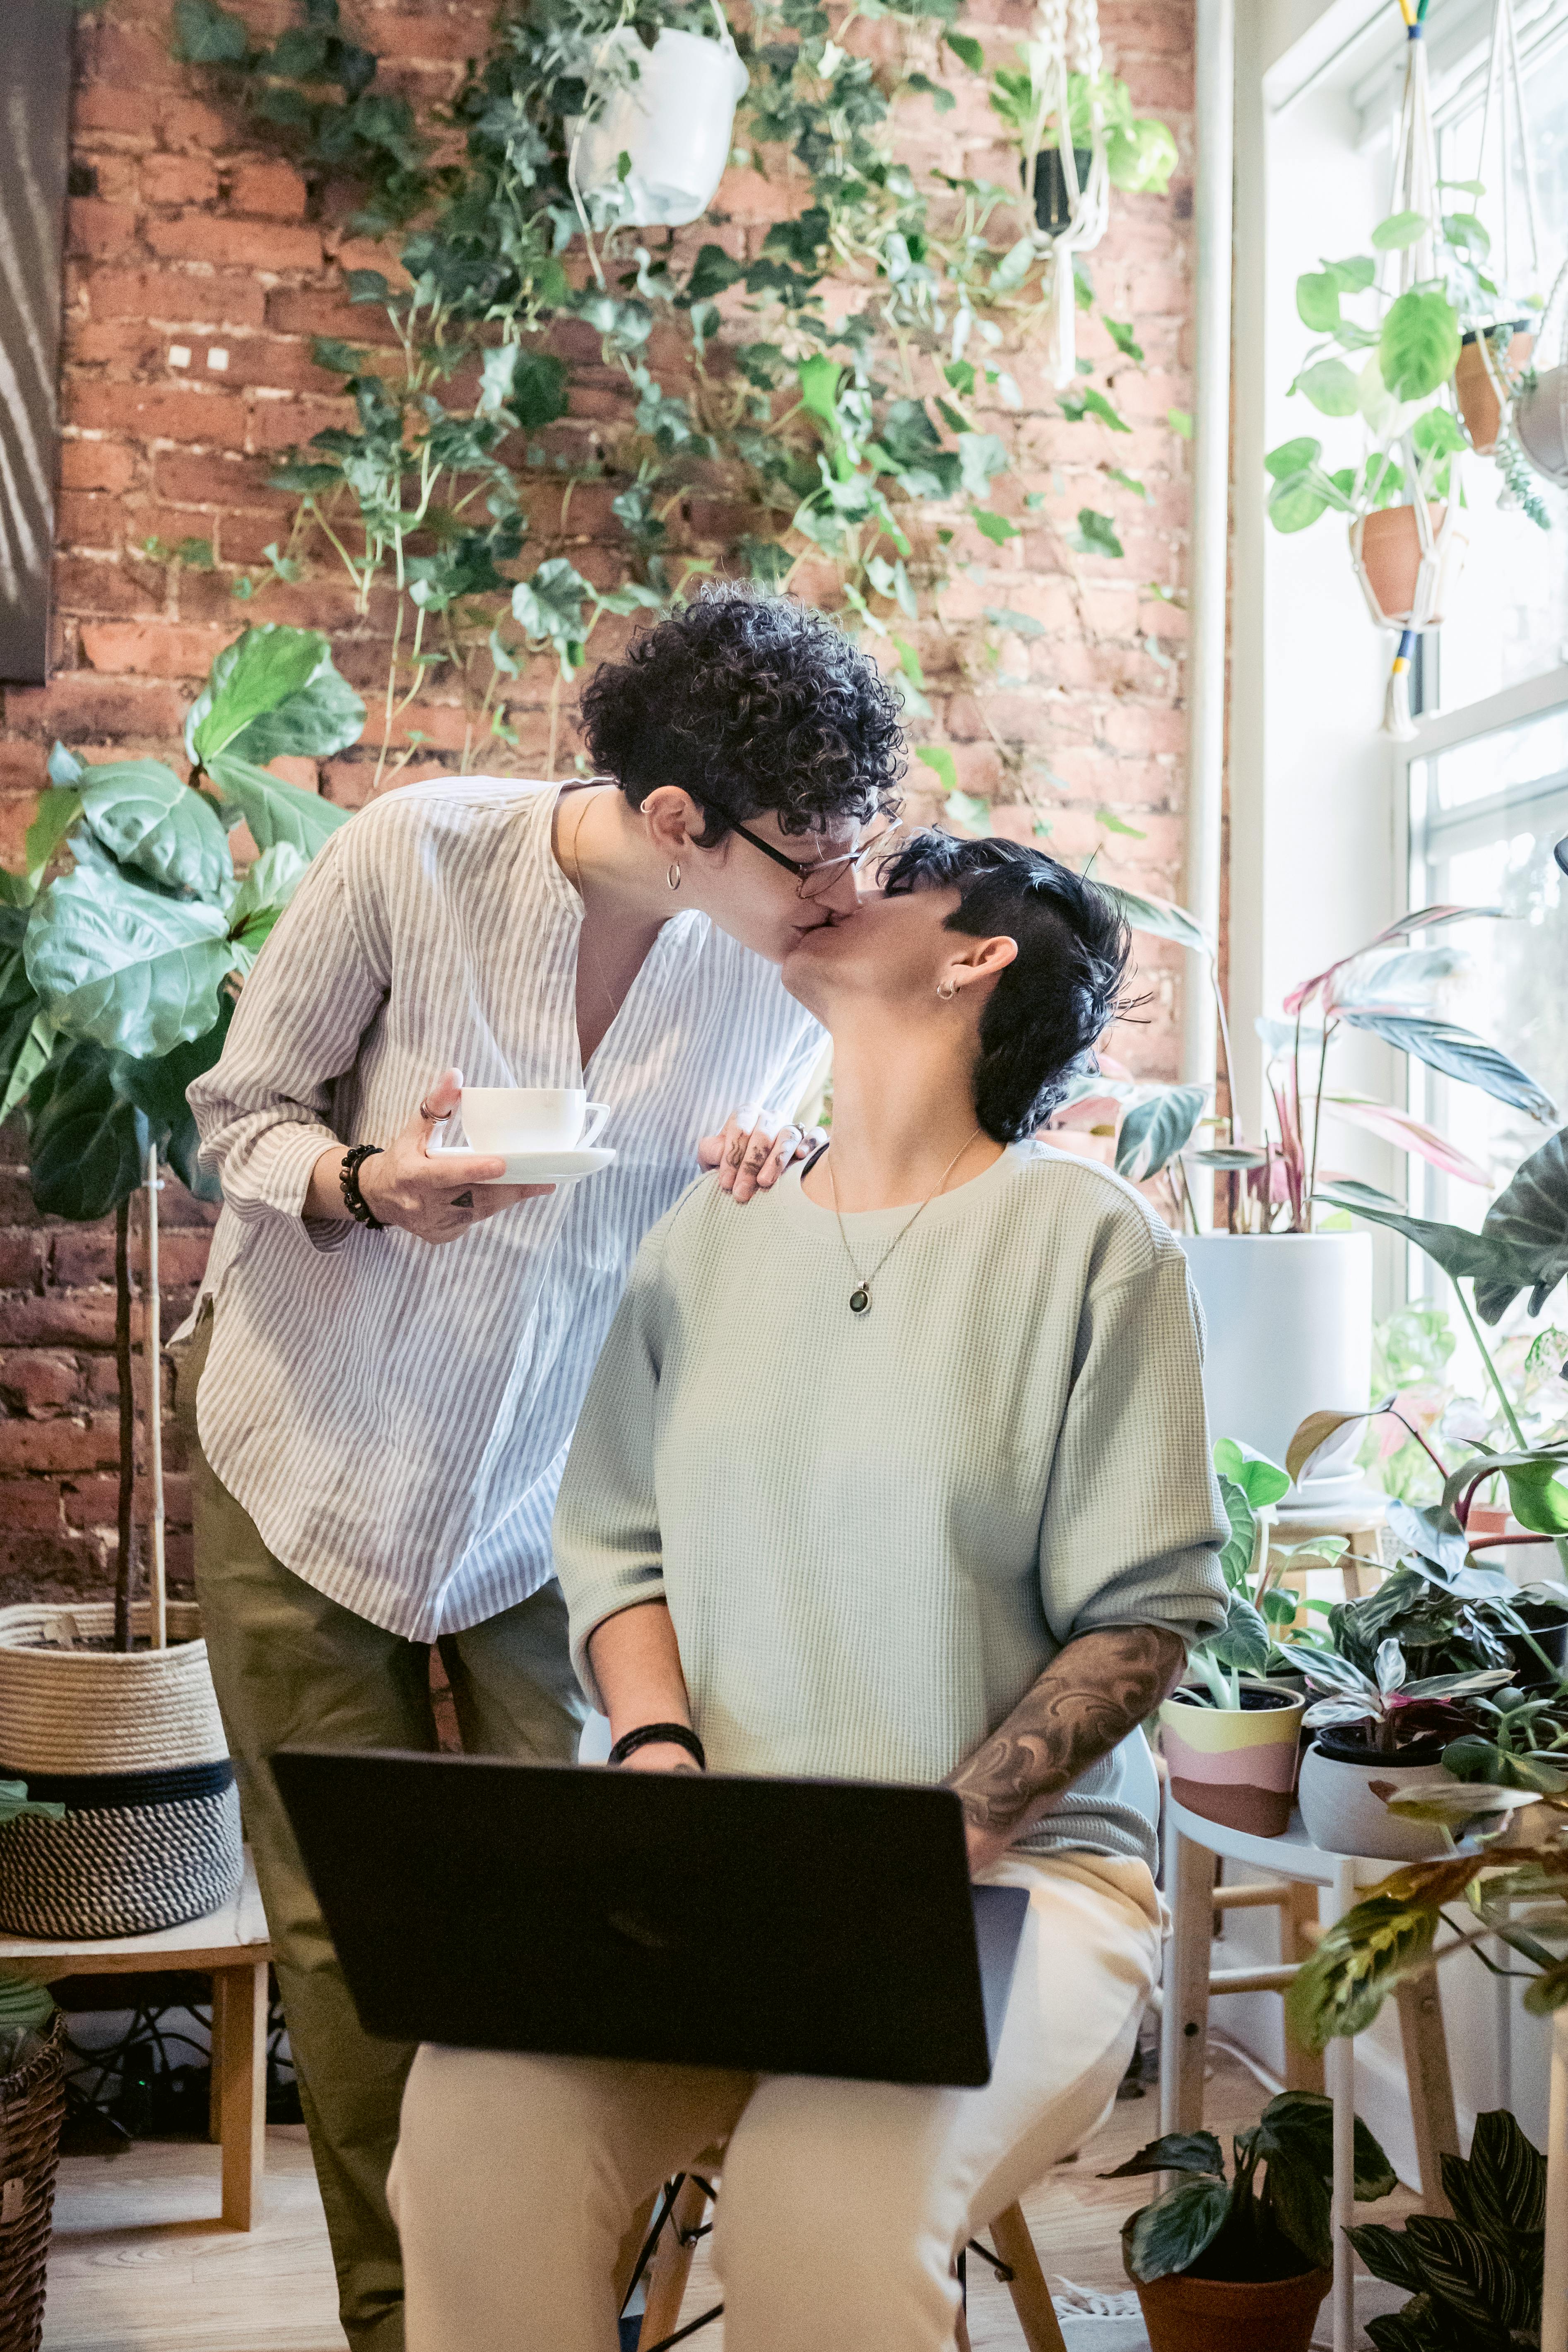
650,1735
354,1201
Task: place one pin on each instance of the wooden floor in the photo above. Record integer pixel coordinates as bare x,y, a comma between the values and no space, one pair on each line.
139,2264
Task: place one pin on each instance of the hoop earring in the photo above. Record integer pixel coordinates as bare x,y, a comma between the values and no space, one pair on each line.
947,990
673,877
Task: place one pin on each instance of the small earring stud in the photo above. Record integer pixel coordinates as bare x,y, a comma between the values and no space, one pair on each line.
947,990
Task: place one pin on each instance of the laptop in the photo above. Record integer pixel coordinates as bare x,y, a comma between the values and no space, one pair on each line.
775,1926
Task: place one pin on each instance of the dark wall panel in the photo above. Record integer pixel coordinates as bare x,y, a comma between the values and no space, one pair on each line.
35,129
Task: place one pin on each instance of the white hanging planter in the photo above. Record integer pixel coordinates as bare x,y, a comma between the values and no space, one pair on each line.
670,111
1289,1320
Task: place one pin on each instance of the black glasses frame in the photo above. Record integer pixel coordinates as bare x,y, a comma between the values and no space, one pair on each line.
805,868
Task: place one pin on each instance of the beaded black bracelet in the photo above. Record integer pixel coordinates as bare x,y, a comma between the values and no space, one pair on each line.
358,1207
648,1735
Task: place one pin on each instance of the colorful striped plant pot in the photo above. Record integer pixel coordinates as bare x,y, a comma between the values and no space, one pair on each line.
1236,1765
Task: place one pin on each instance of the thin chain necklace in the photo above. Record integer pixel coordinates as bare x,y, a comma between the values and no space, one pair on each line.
860,1297
577,885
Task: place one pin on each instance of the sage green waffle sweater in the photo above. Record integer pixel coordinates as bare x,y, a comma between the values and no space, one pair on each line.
875,1531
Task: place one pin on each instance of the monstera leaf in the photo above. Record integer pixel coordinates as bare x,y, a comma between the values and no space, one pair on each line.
145,817
273,690
127,967
88,1142
274,811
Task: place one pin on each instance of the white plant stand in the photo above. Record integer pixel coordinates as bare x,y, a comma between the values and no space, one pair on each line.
1193,1846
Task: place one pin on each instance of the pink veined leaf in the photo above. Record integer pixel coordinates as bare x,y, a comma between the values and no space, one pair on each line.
1407,1134
1420,919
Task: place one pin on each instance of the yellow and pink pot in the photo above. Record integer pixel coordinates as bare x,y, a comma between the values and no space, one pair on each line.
1236,1765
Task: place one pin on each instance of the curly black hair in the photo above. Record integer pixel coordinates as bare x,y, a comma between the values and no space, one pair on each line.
749,703
1061,991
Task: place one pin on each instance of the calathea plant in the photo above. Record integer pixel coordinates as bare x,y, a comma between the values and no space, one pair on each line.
1474,2280
124,938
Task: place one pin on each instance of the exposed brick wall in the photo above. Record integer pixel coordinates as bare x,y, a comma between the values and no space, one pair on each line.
187,236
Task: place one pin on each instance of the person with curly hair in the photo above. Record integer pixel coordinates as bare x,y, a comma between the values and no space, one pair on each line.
380,1383
943,1514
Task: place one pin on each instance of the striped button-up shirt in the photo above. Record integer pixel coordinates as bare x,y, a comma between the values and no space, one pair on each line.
394,1417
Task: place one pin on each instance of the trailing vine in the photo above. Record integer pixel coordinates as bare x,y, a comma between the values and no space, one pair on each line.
837,385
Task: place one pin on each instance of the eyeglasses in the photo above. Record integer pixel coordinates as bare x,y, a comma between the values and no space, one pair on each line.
816,877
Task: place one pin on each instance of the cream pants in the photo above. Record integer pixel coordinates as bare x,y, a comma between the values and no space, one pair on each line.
843,2203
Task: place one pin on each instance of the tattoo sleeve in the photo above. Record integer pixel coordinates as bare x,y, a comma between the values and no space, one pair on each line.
1093,1693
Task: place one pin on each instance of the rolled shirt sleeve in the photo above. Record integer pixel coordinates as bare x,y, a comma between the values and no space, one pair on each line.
263,1110
608,1552
1132,1523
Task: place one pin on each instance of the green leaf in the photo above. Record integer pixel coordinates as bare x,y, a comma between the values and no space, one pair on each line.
1538,1498
1318,301
1194,2151
145,817
124,966
59,809
262,897
1236,1560
1168,2236
1361,1958
1293,457
551,605
922,85
1419,346
159,1088
1122,336
1472,2276
1242,1643
966,47
995,526
1457,1054
1159,917
1331,387
250,677
208,36
980,454
1153,1132
819,378
274,811
31,1058
1095,535
1507,2178
1128,481
1180,423
968,808
1260,1480
87,1142
939,760
1529,1219
1399,230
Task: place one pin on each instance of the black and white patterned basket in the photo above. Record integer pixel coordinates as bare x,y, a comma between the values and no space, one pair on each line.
135,1851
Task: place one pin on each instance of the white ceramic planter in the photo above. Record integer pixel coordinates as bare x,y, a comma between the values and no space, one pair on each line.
1289,1333
1341,1814
673,121
1541,424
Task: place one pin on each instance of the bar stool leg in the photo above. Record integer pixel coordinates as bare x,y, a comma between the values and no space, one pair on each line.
1185,2024
672,2263
1031,2296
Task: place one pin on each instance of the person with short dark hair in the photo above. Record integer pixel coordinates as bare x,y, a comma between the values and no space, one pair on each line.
900,1475
392,1346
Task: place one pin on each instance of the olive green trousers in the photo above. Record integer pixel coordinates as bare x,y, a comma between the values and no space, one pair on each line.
291,1665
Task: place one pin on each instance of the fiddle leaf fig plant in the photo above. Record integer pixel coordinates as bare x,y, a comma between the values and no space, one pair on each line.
125,937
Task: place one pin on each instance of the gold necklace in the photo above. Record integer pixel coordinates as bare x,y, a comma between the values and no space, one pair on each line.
577,885
860,1297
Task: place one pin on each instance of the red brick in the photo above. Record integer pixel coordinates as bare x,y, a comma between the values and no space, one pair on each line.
152,649
84,520
59,1445
96,466
85,585
217,481
275,189
92,1502
179,180
31,1507
156,414
234,245
37,1385
128,346
101,108
280,424
81,707
187,122
177,296
21,1260
98,228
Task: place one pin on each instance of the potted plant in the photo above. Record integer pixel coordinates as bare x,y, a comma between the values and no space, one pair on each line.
1474,2278
651,147
1230,1733
119,972
1378,1736
1140,152
1233,2266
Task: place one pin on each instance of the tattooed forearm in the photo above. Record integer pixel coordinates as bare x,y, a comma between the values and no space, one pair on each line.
1089,1696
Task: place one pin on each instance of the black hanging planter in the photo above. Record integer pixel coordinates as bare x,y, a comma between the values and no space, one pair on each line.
1053,210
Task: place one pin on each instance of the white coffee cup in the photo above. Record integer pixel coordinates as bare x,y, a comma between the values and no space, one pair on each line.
530,1118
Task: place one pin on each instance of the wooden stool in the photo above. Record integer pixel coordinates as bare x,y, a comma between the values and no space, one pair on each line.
680,2224
232,1946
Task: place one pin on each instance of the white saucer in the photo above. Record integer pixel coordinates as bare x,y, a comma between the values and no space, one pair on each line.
553,1166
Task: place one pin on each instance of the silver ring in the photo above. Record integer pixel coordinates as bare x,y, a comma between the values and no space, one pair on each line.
426,1112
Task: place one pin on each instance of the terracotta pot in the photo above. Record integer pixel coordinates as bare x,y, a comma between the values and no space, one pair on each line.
1238,1767
1342,1811
1541,424
1200,2314
1476,391
1387,545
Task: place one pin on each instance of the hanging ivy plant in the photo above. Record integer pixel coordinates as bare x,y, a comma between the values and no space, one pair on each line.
855,438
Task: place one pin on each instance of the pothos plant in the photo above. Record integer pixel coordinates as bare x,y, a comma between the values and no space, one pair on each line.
1389,359
125,937
856,438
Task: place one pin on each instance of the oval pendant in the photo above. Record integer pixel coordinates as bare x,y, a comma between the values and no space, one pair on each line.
859,1300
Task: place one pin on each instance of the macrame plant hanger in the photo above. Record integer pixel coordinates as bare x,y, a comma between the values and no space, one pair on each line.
1504,104
1069,36
1415,190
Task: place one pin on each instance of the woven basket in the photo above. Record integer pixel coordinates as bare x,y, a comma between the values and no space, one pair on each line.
75,1710
32,2104
135,1851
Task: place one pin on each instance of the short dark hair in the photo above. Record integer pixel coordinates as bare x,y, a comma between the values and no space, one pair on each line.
1061,991
750,703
